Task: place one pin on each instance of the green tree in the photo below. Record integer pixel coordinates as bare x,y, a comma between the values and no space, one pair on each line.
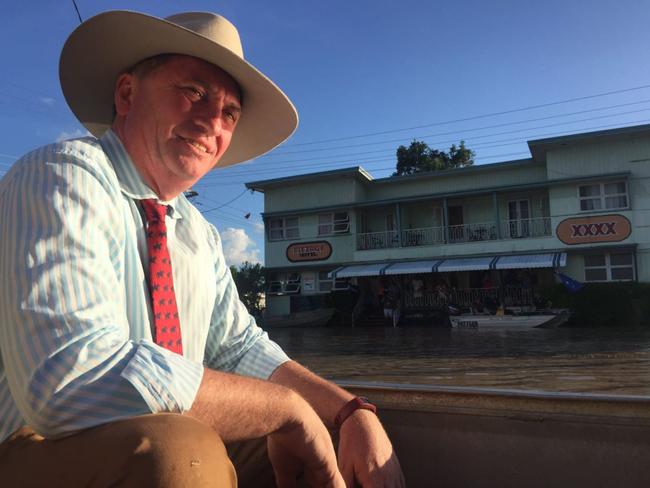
250,282
420,158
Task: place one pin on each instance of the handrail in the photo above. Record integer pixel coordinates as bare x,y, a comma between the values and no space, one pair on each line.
454,234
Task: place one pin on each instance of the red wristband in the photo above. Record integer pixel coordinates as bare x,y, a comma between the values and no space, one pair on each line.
352,406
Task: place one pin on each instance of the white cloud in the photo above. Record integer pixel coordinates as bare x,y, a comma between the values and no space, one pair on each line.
238,247
72,135
47,101
258,227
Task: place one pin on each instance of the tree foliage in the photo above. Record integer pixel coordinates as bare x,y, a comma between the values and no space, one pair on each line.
420,158
250,282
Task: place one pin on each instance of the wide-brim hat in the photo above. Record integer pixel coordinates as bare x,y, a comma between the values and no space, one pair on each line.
106,45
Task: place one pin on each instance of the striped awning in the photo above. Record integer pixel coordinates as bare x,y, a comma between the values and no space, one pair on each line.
465,264
412,267
521,261
358,270
513,261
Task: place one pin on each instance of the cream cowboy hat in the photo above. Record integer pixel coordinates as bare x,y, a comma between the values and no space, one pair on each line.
106,45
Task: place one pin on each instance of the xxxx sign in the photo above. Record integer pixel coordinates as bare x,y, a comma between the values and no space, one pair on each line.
600,228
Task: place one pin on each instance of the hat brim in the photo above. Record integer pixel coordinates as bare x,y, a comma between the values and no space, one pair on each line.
103,47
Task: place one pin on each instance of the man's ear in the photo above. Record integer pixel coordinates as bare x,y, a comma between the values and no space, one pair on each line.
124,88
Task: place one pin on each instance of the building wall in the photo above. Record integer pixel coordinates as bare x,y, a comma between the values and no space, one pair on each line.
457,180
419,215
603,157
312,194
558,201
278,305
342,251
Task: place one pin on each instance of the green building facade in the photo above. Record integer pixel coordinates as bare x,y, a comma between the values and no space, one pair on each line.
579,206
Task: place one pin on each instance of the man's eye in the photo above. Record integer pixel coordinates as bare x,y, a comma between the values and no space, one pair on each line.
193,93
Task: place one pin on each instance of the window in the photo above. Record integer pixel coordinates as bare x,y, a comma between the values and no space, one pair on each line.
390,222
341,284
283,228
324,281
603,196
292,284
609,267
333,223
281,283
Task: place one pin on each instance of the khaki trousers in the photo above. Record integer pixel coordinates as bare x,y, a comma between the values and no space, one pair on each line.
161,450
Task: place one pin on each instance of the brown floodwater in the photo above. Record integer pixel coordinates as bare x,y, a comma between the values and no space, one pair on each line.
613,361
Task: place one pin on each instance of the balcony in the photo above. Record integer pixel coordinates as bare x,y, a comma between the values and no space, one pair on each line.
454,234
378,240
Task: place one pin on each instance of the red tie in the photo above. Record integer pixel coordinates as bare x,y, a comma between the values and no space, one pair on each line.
161,281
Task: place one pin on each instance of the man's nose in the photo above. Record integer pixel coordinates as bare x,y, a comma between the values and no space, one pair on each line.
210,119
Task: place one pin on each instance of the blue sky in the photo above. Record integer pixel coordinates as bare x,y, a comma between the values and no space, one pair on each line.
404,69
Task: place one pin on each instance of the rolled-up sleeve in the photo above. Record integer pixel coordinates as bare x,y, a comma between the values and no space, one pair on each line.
235,342
66,349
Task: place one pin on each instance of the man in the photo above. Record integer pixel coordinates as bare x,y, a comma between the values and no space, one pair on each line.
128,358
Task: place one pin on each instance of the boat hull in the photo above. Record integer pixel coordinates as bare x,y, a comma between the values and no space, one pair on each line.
499,321
459,437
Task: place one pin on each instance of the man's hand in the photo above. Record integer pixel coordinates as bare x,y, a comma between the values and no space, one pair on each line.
366,455
304,449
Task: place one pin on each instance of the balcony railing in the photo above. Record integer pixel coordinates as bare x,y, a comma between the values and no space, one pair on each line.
428,236
378,240
423,237
467,297
486,231
517,229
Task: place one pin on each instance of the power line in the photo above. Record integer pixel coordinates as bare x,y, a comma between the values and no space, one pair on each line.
202,196
459,131
307,164
639,102
275,171
224,204
77,9
475,117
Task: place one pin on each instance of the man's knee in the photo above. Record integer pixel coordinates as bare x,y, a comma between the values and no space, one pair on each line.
171,450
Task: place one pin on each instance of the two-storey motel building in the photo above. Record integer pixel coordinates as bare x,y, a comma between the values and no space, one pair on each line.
579,205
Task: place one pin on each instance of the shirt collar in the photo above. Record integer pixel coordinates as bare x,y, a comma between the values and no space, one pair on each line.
131,182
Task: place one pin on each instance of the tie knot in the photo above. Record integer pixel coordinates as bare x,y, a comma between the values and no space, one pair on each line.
154,211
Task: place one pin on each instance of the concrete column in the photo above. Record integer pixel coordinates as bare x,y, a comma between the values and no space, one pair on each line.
497,219
398,222
445,219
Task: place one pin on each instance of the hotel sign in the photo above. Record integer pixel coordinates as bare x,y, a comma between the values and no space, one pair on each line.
309,251
600,228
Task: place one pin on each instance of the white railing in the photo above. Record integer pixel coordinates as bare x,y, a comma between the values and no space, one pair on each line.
423,237
378,240
522,228
484,231
467,297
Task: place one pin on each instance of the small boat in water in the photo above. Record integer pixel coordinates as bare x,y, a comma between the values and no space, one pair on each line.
541,319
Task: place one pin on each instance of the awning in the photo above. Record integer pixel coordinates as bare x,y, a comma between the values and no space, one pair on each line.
550,260
465,264
514,261
358,270
412,267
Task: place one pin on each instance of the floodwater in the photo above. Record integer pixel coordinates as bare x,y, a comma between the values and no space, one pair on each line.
612,361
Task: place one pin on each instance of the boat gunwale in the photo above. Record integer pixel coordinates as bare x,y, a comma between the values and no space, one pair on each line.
516,404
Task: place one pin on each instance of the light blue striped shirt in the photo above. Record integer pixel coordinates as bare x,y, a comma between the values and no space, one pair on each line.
75,319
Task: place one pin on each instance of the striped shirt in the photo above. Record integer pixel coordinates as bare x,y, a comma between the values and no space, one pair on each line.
75,318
